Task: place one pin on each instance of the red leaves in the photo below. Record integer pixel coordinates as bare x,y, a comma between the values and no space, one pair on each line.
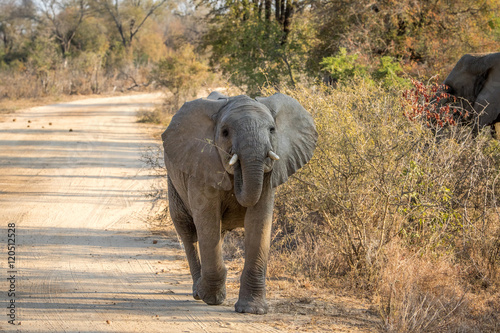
430,102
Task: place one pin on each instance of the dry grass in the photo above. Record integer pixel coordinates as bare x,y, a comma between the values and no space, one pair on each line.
419,293
159,115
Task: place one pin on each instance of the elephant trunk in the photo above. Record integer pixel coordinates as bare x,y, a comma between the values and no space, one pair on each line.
248,180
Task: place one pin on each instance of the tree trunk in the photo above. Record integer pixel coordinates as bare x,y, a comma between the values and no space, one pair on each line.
287,20
282,10
268,10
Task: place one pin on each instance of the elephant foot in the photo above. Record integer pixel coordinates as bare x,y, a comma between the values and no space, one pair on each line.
254,306
209,293
195,292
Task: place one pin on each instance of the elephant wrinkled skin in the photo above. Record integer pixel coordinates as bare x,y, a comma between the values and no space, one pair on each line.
476,79
225,156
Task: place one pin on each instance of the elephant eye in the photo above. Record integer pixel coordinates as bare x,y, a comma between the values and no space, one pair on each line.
272,130
225,133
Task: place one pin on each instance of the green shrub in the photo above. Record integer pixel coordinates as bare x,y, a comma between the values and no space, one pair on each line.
345,67
388,73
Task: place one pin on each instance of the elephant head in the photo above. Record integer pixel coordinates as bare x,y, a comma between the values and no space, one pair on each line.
238,142
476,79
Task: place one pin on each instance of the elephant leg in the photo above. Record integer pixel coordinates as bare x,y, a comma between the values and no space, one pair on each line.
186,230
258,219
211,286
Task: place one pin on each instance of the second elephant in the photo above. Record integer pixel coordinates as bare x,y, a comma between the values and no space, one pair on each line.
476,79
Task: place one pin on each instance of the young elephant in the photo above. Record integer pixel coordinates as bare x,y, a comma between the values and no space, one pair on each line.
225,156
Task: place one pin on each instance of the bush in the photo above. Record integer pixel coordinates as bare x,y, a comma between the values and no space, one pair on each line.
183,74
379,182
344,67
158,115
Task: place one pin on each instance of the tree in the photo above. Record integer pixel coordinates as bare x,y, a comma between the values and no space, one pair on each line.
181,73
17,28
254,46
65,16
427,36
248,9
129,16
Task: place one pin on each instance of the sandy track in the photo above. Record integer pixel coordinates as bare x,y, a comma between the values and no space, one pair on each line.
85,259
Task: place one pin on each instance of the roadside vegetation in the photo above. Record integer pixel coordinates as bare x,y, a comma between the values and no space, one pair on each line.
394,209
398,205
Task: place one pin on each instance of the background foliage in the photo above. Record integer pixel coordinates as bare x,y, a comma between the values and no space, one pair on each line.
94,46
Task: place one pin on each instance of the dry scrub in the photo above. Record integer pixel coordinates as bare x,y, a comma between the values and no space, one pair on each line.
395,210
79,77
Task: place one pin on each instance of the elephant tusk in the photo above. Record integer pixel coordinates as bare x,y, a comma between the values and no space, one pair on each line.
233,160
272,155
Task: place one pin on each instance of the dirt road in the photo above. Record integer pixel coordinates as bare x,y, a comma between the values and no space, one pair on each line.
73,187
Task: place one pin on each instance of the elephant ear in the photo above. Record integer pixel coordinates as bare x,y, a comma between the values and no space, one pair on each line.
189,146
296,136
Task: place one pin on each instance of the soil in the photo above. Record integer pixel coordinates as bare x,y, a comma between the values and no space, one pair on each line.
89,257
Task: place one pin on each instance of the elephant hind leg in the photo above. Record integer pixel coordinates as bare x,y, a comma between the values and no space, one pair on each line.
186,230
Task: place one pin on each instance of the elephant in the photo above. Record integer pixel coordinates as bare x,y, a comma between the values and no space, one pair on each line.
475,80
225,156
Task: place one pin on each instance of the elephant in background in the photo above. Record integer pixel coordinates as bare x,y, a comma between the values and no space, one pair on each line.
225,156
476,79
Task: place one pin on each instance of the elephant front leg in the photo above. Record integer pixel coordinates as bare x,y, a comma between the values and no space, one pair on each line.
258,219
209,273
211,285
